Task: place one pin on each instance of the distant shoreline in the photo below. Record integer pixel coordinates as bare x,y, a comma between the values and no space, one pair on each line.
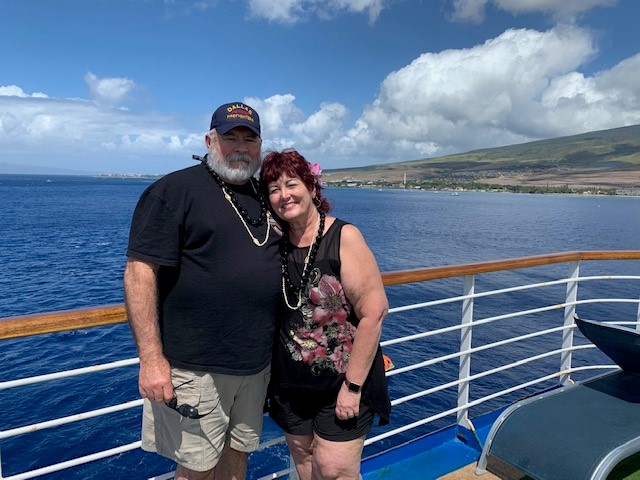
90,175
134,176
446,185
439,185
496,191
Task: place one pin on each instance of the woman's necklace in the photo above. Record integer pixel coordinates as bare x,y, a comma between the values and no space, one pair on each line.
306,270
241,211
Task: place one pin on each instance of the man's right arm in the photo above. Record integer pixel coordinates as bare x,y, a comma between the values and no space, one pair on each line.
141,301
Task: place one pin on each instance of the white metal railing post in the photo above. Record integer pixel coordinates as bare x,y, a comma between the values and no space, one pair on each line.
569,313
637,320
465,345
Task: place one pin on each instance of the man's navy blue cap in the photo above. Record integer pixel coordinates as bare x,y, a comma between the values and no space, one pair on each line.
232,115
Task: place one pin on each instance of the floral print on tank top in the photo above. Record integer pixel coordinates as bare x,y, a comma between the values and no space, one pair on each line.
325,338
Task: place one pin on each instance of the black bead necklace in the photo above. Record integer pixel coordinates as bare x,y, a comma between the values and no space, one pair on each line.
230,196
287,284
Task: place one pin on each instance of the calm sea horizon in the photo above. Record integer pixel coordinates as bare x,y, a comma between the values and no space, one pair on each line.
64,237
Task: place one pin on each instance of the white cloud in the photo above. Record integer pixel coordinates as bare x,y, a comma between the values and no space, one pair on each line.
477,86
285,125
609,98
15,91
9,122
294,11
563,9
109,91
471,11
321,126
520,86
622,79
94,136
372,8
474,10
276,113
284,11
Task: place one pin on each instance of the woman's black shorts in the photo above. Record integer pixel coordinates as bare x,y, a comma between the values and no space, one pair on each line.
304,412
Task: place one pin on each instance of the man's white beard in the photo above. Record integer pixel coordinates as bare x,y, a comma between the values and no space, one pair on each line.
247,168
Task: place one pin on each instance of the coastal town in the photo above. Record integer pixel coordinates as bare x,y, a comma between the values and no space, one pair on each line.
443,185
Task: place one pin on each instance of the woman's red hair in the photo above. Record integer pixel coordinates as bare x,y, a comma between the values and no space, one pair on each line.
291,163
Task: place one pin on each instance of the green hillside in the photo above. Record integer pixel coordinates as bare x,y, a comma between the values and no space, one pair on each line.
607,157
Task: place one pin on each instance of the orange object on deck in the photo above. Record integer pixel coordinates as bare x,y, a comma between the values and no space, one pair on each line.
388,364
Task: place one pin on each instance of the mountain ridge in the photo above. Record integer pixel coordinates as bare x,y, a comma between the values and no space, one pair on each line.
607,158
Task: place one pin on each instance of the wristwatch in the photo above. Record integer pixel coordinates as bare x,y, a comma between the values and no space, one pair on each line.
352,387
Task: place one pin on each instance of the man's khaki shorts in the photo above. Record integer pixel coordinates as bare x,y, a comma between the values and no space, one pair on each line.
235,404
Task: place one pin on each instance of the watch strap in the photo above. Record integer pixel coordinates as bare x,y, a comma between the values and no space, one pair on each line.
352,387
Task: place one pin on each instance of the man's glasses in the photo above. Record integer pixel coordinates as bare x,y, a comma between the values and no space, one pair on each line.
185,409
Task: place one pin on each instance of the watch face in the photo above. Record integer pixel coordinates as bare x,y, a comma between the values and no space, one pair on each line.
353,387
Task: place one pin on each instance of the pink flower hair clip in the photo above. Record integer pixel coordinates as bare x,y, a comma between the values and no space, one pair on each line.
316,171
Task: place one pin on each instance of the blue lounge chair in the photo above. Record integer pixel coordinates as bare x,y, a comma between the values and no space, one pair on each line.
581,431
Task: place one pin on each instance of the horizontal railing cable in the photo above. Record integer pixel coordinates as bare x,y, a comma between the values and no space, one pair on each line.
501,291
433,361
67,373
99,455
475,323
75,462
70,419
465,406
487,373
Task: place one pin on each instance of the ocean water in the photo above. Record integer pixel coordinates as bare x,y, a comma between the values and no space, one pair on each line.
62,244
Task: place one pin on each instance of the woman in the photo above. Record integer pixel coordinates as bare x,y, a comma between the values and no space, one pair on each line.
328,373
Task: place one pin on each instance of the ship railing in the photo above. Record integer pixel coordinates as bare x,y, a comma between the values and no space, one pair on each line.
466,322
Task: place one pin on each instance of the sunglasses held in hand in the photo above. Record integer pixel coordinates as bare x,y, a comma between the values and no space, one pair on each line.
185,409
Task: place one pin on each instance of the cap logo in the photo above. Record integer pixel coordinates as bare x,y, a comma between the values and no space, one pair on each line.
239,111
232,115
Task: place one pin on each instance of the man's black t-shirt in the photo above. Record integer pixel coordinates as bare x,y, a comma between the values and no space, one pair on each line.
218,291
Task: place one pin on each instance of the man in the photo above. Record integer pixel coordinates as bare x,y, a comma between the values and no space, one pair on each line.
201,287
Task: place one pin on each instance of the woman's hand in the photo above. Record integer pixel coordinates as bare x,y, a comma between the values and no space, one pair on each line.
347,404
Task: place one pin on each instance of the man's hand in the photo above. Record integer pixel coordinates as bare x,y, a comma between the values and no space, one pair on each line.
141,300
154,381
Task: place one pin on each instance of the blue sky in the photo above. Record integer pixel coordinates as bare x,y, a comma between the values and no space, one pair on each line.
129,85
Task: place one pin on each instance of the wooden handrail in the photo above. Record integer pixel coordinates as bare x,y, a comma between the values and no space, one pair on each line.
27,325
434,273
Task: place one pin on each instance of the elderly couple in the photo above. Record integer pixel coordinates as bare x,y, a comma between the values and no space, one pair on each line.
221,265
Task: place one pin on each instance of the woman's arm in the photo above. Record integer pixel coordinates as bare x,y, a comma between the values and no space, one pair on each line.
363,287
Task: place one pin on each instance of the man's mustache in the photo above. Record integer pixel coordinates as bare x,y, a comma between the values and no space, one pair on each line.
239,157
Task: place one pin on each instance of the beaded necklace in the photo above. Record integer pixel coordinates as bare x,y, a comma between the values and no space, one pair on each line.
242,212
287,284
